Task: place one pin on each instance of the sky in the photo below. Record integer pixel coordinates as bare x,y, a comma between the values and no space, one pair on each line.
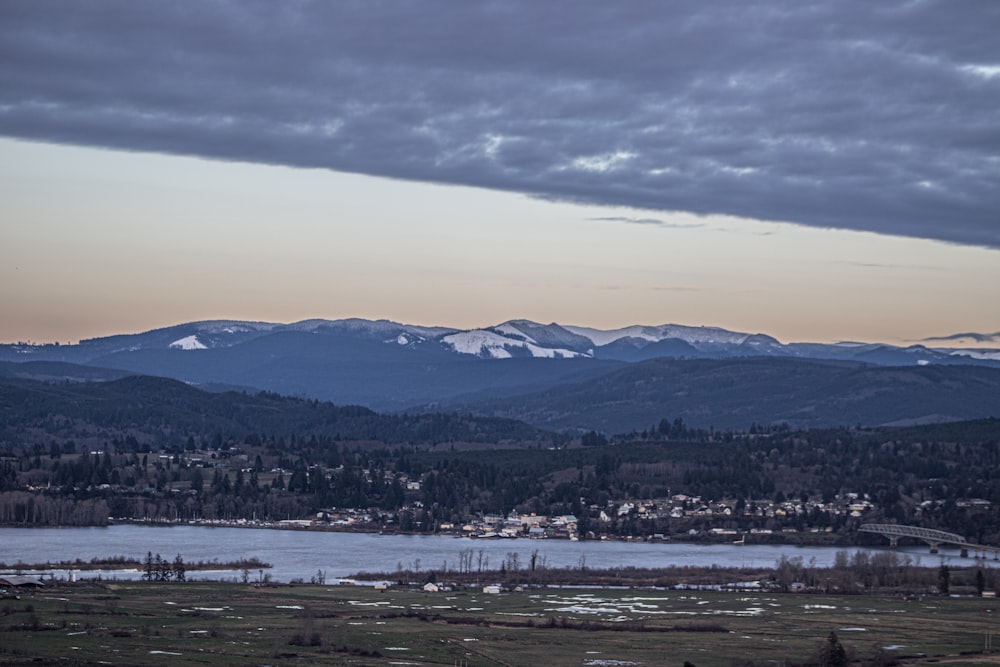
811,170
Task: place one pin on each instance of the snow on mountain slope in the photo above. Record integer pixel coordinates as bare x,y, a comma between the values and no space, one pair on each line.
188,343
509,329
545,335
493,345
762,344
693,335
386,330
990,355
230,327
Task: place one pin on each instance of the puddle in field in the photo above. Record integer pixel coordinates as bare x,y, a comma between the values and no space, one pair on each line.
386,603
192,609
643,607
517,613
750,611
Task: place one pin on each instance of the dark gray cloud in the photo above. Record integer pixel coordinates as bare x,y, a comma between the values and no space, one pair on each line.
879,116
964,337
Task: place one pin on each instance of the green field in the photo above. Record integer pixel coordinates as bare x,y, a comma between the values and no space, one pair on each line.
232,624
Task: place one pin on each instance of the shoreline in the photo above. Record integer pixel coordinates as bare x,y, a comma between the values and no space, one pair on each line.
805,539
117,563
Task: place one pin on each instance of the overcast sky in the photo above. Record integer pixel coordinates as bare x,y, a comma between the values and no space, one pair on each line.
812,170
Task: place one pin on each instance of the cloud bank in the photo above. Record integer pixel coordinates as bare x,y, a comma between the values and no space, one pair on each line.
876,116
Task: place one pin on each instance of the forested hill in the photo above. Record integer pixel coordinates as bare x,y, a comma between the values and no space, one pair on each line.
734,393
166,412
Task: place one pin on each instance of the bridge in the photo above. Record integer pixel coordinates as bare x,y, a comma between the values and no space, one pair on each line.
934,538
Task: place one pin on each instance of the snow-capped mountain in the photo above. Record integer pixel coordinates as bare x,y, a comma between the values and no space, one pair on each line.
388,365
511,339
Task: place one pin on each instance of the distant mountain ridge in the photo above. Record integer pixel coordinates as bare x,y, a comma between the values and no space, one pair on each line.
389,366
516,338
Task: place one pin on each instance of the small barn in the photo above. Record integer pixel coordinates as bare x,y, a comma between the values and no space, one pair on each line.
19,581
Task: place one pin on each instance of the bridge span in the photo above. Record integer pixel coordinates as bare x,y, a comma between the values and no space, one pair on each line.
934,538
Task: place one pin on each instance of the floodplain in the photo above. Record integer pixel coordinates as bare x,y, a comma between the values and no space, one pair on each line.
193,623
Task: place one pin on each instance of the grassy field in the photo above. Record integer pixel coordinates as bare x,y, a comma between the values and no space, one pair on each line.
153,624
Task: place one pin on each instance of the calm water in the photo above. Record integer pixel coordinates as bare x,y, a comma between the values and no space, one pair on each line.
300,554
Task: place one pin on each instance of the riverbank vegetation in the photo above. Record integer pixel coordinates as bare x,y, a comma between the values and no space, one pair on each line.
857,573
188,623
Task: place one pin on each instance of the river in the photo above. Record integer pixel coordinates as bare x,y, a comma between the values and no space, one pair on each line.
300,554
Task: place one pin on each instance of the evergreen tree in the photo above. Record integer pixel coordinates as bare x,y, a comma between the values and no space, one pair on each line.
166,569
832,653
179,572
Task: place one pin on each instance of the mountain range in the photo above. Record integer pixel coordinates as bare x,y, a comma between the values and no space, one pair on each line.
551,375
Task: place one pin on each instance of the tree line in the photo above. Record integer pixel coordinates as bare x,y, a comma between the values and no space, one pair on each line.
928,477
